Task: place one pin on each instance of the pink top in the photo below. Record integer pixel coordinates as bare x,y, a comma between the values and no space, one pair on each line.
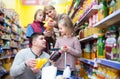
73,52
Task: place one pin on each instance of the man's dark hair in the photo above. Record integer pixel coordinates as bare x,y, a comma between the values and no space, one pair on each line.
34,36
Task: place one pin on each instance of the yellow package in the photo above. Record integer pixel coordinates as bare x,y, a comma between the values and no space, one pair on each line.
40,62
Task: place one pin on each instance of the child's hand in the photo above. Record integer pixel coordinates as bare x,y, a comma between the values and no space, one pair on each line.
64,49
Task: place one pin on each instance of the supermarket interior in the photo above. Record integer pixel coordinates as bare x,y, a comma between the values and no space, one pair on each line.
91,51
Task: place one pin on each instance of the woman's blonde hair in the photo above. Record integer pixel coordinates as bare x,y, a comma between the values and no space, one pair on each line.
49,7
67,23
39,10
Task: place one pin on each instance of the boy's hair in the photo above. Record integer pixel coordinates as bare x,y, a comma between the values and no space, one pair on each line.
49,7
39,10
67,23
34,36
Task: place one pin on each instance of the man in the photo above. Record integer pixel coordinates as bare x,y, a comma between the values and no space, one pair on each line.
23,66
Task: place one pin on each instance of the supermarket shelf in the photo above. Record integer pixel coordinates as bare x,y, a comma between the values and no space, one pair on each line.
5,57
88,61
87,14
110,63
76,9
109,20
70,9
8,39
6,31
92,37
5,48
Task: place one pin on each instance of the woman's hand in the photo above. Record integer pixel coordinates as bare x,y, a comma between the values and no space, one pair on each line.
52,23
48,33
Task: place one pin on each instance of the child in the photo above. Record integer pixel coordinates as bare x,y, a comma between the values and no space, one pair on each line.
71,43
38,27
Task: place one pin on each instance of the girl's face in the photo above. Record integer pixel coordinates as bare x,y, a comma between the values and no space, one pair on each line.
40,16
62,29
51,13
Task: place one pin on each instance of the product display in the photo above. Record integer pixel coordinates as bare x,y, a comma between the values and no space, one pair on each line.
96,24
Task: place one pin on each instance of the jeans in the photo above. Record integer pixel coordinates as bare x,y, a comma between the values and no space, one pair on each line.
59,72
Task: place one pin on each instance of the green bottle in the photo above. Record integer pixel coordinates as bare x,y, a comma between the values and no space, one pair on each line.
105,7
100,47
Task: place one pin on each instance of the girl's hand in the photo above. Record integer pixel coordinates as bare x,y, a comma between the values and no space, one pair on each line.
64,49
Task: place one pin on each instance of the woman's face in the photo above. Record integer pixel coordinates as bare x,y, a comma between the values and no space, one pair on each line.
40,16
51,13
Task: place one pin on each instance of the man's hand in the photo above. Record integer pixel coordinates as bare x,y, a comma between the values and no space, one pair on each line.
30,62
35,70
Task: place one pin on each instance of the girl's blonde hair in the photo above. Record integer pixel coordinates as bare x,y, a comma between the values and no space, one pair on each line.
67,23
39,10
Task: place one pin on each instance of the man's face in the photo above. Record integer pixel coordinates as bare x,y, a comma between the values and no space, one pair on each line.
40,42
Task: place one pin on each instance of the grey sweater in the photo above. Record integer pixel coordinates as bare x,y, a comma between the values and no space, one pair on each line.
19,70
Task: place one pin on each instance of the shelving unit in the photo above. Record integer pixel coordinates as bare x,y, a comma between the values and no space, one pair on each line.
109,63
11,37
114,18
77,8
87,14
111,20
91,37
87,61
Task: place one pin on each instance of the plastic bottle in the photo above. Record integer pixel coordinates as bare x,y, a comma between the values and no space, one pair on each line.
110,44
100,47
67,72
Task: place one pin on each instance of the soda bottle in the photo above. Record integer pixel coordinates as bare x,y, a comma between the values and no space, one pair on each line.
55,56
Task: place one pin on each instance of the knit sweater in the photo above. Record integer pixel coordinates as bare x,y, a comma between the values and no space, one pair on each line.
73,52
19,70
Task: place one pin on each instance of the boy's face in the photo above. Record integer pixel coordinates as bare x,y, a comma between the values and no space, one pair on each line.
51,13
40,16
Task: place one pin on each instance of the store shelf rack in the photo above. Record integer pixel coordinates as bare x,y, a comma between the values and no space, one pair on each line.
109,20
87,14
77,8
87,61
5,57
91,37
109,63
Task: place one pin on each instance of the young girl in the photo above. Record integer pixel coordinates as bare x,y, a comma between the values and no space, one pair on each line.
71,43
38,27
